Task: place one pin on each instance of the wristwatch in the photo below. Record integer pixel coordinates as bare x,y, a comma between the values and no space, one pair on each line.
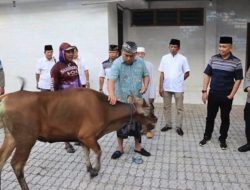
204,91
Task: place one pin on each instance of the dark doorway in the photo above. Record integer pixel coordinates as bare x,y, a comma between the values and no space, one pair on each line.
120,27
248,47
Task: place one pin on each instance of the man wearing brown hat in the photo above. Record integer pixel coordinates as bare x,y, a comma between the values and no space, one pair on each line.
174,70
105,68
43,67
64,75
224,74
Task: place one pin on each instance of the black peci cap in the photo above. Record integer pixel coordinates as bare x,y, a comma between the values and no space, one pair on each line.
226,40
175,42
48,48
113,47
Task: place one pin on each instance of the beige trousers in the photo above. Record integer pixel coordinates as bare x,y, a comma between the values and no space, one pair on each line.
167,98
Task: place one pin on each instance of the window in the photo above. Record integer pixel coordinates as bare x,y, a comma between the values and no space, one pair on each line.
143,18
168,17
191,17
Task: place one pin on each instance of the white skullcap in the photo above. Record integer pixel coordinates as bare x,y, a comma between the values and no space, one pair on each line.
141,49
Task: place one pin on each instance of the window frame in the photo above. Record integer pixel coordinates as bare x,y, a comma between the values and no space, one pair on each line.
179,11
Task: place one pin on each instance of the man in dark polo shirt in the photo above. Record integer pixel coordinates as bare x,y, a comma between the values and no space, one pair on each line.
224,74
106,67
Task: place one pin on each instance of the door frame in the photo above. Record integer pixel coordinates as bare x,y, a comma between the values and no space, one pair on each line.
247,64
120,27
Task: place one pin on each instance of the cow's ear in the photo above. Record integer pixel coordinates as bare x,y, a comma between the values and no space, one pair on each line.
139,101
130,99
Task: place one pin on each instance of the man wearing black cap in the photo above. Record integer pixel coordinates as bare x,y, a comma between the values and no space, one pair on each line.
43,67
224,74
105,68
174,69
128,75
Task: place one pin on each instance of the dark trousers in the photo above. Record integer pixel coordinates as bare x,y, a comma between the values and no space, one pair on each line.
218,100
247,121
45,90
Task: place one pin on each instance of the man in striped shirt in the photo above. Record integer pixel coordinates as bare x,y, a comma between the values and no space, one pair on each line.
224,74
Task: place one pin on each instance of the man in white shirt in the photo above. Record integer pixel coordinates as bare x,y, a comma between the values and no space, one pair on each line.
150,93
82,69
43,67
174,69
2,79
105,68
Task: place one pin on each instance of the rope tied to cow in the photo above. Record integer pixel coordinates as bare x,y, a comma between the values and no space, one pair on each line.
131,123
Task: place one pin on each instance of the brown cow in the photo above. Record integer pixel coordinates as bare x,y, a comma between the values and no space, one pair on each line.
82,115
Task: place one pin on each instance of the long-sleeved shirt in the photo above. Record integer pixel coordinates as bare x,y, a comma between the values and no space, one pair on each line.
247,84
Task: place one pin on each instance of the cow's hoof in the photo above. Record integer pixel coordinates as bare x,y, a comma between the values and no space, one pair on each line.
93,173
89,169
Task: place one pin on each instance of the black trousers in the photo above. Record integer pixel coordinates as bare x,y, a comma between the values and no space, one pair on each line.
130,129
218,100
247,121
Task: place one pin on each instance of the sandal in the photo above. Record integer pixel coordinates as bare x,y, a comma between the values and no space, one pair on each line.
143,152
117,154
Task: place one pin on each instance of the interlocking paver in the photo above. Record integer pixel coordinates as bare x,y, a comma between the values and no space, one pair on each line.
176,163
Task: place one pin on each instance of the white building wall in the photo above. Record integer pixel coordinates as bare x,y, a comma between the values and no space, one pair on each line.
198,43
112,24
232,19
26,28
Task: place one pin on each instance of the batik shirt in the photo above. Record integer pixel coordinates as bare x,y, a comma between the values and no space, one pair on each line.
128,78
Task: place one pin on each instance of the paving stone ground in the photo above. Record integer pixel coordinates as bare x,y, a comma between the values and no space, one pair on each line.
176,162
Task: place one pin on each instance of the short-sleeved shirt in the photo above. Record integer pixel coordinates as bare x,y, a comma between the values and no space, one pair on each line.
43,68
82,67
104,72
224,72
247,84
128,78
174,68
64,76
2,77
150,93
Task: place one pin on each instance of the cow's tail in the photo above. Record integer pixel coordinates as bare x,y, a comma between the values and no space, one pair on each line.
1,114
5,95
23,83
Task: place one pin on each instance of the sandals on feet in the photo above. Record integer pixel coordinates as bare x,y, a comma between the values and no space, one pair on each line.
117,154
143,152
